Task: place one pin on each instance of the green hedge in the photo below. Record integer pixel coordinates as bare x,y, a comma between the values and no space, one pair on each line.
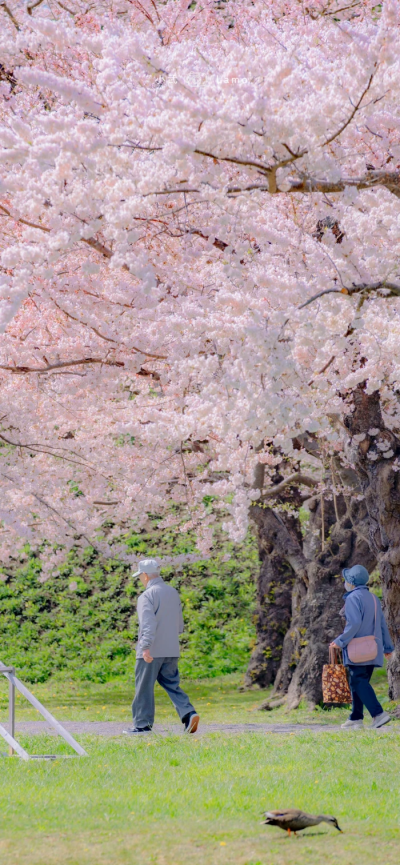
90,631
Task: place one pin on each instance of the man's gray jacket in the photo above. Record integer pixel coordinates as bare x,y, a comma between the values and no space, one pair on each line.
160,620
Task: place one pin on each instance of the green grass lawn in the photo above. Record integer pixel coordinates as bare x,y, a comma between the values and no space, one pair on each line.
177,801
181,800
216,700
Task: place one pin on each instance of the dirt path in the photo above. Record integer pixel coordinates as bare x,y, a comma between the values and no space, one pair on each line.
115,728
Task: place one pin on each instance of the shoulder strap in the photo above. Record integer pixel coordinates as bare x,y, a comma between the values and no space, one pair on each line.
375,605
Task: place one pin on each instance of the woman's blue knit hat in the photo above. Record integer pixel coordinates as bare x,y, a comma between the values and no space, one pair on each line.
356,576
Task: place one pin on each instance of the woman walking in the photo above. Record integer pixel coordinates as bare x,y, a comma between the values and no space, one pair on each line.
364,618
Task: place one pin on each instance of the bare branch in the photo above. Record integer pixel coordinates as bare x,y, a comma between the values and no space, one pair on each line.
22,370
90,241
83,323
251,163
60,452
187,484
24,221
296,478
324,368
353,113
233,190
355,289
65,8
99,247
168,192
50,507
61,517
135,147
342,9
321,294
306,184
10,15
43,449
220,244
30,9
107,338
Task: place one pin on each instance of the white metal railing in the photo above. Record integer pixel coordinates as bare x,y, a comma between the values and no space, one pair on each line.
9,735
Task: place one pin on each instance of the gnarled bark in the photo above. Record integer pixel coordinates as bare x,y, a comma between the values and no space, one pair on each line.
316,620
375,458
281,560
336,537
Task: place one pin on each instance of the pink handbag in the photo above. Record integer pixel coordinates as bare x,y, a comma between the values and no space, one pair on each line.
362,650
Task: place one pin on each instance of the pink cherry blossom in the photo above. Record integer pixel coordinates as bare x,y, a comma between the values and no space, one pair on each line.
199,252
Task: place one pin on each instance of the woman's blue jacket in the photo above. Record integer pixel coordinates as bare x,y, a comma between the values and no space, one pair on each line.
360,612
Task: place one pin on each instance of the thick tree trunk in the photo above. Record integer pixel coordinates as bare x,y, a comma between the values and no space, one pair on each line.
316,619
293,642
300,589
281,559
375,451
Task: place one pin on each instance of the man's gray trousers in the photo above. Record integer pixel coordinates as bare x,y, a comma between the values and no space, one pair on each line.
165,672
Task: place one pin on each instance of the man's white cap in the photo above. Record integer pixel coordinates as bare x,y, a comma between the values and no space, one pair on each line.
148,566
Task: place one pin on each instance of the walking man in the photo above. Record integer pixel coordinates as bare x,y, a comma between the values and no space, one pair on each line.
157,652
364,617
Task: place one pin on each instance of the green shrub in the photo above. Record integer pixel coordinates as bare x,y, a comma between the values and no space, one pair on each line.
83,621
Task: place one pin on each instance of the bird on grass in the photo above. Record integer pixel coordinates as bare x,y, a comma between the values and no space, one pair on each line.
292,820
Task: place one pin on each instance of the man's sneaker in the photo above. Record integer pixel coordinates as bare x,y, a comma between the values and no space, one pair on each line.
380,720
132,730
352,725
191,723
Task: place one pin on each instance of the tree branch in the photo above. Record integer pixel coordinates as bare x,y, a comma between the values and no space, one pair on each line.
307,184
342,9
232,190
30,9
168,192
10,15
324,368
90,241
355,289
251,163
135,147
321,294
296,478
22,370
41,449
350,118
66,9
107,338
50,507
83,323
269,170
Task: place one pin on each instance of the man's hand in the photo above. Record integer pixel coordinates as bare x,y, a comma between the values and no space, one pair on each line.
388,654
334,646
146,656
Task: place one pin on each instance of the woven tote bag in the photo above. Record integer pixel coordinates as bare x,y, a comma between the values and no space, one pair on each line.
335,687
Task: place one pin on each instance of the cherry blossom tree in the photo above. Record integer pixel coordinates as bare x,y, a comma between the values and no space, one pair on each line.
200,237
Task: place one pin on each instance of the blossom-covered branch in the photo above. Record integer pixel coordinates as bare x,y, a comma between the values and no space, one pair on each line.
179,187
